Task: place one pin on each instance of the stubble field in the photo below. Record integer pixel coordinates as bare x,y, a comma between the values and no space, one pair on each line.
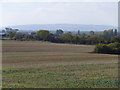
35,64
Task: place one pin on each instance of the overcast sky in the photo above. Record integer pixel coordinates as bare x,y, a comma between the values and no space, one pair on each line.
96,13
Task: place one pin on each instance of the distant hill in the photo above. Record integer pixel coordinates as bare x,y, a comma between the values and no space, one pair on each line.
65,27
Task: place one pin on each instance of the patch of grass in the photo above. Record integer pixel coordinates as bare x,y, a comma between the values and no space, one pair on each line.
71,76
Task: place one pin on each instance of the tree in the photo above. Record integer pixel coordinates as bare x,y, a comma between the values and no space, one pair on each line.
28,37
91,33
59,32
115,32
12,34
108,33
78,32
19,36
3,31
42,35
81,39
94,39
8,29
67,37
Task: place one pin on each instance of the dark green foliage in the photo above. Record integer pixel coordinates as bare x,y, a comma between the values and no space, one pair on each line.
78,32
95,39
12,34
112,48
91,33
67,37
19,36
59,32
102,48
108,36
115,32
115,39
28,37
42,35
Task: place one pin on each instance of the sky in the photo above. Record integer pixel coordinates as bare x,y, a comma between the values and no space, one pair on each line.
58,12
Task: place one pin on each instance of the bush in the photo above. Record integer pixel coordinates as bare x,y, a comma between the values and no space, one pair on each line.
113,48
114,45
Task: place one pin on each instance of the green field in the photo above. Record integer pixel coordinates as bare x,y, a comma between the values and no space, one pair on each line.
35,64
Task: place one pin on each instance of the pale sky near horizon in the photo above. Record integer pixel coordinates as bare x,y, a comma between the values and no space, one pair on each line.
21,13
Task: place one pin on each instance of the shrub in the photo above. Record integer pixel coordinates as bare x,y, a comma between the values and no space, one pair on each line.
113,48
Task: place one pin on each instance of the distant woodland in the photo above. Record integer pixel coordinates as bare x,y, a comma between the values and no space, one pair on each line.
107,42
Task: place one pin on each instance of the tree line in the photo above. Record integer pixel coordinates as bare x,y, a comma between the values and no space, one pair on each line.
106,42
108,36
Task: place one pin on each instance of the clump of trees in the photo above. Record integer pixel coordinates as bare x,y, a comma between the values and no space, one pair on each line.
112,48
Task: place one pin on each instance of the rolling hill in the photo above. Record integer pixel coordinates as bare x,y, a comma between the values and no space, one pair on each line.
65,27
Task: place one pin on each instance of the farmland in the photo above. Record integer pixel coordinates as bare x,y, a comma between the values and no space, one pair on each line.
36,64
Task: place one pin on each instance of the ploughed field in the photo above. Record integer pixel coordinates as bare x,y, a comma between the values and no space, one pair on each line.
36,64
